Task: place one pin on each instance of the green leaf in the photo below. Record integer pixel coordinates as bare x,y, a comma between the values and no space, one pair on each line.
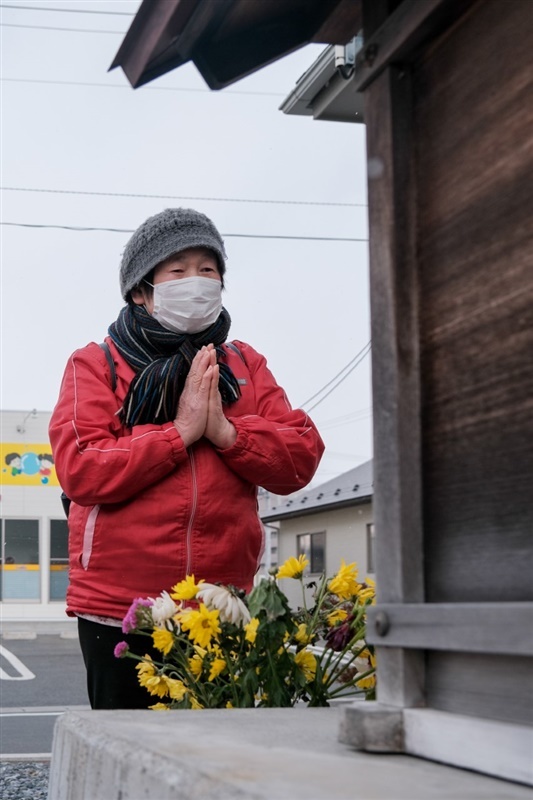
266,599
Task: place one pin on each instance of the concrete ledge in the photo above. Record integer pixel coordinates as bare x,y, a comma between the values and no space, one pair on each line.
267,754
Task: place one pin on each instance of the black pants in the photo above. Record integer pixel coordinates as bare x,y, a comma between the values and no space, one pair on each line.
112,682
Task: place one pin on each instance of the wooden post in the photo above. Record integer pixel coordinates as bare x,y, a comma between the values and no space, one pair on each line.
395,370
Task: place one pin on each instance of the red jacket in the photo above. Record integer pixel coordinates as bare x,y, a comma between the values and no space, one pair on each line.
146,511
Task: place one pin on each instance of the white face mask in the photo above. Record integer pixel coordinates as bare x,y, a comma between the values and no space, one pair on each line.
187,305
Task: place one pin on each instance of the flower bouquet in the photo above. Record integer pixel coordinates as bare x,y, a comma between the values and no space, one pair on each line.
221,648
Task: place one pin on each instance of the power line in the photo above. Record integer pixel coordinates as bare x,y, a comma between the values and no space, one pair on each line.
51,28
341,380
348,456
362,412
367,349
70,10
346,366
180,197
350,419
227,235
144,88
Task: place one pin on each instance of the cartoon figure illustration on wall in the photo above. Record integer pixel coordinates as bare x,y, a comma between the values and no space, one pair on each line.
14,461
46,461
27,465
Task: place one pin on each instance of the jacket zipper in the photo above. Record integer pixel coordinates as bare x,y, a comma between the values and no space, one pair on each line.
188,545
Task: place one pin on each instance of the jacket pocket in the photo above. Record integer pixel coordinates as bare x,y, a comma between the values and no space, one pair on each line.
88,536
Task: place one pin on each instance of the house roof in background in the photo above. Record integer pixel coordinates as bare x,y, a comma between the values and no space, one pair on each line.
349,489
228,39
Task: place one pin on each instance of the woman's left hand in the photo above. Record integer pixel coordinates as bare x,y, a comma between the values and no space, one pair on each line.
219,430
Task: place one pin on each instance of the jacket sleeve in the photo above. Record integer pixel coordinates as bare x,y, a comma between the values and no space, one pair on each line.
277,448
95,461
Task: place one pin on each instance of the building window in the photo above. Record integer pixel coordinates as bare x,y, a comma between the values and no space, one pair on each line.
370,548
58,558
313,547
20,574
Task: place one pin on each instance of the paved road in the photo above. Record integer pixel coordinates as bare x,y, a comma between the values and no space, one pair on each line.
39,679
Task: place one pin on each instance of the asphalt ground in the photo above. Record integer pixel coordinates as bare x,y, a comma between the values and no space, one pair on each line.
40,678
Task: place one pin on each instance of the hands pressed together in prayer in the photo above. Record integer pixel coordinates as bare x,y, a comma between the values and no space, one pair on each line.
200,405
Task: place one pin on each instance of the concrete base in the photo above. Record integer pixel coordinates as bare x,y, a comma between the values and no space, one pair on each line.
374,727
267,754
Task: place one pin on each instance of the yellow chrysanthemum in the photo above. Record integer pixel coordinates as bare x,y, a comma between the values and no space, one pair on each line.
367,683
159,707
307,663
293,567
163,640
146,668
196,661
339,615
302,635
250,630
195,665
156,684
201,624
176,689
186,589
182,616
218,666
368,592
195,704
344,584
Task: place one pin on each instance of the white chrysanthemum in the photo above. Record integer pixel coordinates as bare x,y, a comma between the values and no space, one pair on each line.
163,608
230,608
361,664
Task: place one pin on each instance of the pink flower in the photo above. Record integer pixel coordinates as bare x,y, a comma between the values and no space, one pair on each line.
121,649
130,621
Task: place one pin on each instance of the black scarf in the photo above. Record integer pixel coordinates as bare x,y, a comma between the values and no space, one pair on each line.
162,360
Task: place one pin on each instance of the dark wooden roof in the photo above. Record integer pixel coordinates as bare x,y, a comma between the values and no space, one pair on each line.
228,39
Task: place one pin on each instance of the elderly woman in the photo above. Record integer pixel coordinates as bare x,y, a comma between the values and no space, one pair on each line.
162,441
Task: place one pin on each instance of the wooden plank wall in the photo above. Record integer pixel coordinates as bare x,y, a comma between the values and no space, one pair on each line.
473,128
493,687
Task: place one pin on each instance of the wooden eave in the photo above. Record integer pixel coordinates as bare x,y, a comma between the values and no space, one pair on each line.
228,39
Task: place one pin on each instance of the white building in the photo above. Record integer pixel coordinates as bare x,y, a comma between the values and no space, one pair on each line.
334,521
34,533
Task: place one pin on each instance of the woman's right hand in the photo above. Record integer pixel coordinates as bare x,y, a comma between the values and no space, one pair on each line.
193,406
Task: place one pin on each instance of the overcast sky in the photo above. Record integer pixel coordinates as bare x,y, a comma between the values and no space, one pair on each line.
70,126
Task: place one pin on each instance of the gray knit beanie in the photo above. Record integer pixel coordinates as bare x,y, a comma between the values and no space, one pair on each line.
164,235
